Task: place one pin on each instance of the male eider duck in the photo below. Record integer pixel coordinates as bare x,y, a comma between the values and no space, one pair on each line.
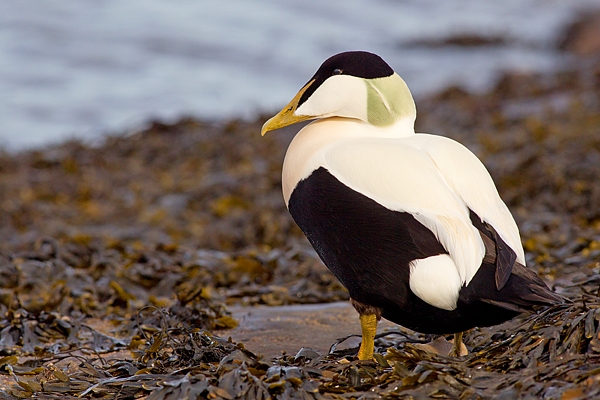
411,224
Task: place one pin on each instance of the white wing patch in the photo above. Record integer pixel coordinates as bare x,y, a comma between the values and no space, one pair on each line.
435,280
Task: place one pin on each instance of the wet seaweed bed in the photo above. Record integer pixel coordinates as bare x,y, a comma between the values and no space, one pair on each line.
118,260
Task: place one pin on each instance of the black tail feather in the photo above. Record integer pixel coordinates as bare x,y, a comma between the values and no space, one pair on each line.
524,291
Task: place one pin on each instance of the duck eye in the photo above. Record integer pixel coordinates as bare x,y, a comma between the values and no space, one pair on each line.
336,71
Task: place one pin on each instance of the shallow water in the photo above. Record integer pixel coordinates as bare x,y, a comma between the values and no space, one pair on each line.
84,68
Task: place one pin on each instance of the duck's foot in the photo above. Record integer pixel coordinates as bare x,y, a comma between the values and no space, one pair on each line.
368,324
458,347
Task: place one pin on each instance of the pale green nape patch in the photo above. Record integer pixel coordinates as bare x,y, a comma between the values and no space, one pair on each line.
388,100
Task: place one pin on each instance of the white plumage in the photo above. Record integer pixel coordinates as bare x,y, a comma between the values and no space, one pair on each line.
436,281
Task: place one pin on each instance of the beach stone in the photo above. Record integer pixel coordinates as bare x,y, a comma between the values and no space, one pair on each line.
583,36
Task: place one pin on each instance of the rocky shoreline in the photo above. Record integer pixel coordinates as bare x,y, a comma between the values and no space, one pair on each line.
118,261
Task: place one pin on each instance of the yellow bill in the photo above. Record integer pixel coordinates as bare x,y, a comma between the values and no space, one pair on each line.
286,116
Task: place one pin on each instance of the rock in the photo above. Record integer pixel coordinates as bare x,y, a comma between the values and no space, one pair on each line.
583,36
459,40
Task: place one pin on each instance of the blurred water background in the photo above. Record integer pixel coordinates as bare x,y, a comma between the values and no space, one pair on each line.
82,68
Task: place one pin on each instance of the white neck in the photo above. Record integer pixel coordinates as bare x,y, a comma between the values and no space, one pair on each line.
403,127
